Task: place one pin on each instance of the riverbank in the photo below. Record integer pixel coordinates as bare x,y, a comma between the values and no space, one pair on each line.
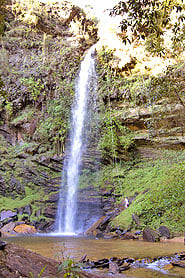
175,239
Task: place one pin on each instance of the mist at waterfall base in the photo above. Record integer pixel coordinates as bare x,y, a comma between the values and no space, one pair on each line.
68,221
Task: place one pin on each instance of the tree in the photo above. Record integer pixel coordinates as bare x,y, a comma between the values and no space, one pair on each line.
150,19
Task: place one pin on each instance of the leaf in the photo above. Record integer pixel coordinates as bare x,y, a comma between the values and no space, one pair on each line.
39,276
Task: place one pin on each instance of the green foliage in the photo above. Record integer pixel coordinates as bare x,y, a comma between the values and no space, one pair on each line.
105,55
2,93
115,137
158,191
39,275
35,87
170,84
150,20
30,196
55,125
9,109
69,268
88,178
138,90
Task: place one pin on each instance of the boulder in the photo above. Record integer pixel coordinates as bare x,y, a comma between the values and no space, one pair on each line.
8,228
113,267
150,235
5,214
164,231
25,229
129,235
179,263
124,267
110,235
102,263
95,226
43,226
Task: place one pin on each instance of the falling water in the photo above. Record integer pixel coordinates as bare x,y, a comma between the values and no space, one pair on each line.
87,77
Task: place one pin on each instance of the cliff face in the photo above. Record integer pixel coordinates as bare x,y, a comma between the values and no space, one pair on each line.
139,116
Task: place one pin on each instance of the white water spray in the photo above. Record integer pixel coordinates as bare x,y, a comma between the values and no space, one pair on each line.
66,220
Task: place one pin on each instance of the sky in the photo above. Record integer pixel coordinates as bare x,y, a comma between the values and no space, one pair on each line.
98,5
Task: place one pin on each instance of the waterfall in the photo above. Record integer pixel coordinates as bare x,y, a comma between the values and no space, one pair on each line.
66,215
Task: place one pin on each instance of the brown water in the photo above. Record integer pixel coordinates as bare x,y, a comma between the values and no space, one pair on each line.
76,247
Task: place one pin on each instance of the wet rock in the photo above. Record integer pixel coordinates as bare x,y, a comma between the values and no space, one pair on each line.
82,260
50,212
164,231
95,226
113,267
124,267
25,229
5,214
104,263
20,211
28,210
102,226
181,256
150,235
129,235
53,198
98,233
179,263
8,228
16,185
129,260
110,235
2,245
137,233
43,226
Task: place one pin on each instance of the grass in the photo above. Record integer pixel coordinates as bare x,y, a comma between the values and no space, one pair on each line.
30,197
156,190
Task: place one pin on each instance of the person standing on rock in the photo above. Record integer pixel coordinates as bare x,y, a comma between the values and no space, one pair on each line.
126,202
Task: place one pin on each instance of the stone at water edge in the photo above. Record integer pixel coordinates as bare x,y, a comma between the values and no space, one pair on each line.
8,228
150,235
179,263
128,236
113,267
164,231
25,229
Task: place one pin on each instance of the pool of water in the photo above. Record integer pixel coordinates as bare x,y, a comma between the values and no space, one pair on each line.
76,247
